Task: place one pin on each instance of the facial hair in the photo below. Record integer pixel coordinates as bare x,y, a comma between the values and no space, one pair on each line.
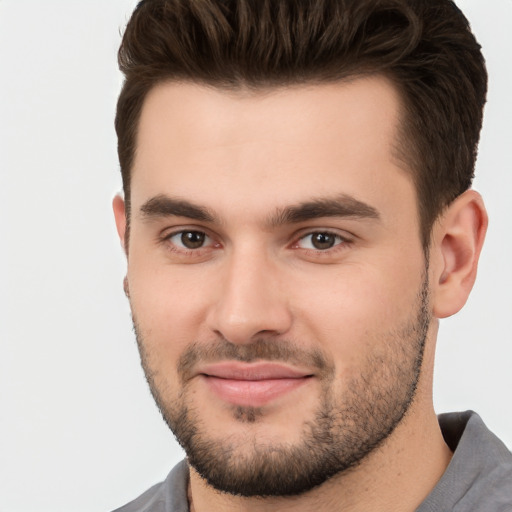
343,431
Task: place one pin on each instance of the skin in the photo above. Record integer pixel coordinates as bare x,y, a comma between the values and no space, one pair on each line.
245,157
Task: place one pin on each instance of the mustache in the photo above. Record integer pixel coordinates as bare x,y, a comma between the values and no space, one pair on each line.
283,351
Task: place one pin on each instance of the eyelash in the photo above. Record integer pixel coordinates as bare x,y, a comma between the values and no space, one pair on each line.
197,252
342,243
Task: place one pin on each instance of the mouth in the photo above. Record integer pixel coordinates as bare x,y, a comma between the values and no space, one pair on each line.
252,384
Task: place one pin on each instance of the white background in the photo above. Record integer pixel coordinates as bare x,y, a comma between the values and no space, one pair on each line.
78,428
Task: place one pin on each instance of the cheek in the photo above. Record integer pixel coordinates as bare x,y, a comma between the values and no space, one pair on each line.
169,308
356,296
353,311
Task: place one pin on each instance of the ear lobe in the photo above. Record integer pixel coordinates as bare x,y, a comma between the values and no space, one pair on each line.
120,218
456,244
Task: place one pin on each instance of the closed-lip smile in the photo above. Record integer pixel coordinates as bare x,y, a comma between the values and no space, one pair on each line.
252,384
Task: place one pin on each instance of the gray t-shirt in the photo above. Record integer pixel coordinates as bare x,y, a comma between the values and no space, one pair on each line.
478,478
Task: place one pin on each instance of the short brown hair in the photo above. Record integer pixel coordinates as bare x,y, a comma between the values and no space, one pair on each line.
424,46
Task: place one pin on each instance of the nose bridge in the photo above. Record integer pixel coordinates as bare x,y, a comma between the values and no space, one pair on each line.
250,300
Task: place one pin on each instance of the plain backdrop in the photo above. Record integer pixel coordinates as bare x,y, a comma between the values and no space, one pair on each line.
78,428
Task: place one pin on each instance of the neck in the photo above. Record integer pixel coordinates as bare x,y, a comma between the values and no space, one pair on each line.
395,477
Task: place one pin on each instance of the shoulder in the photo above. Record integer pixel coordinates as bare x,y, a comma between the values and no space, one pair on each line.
167,496
479,476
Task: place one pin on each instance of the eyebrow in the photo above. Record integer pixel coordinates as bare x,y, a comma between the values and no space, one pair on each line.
165,206
339,206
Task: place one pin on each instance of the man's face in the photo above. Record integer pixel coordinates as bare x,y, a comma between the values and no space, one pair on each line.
276,277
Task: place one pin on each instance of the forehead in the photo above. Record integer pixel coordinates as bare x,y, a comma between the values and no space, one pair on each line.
213,146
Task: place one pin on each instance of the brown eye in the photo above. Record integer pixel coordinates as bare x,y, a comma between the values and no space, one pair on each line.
192,239
323,240
320,241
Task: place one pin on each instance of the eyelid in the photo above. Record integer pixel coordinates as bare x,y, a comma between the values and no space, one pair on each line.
345,241
167,234
206,240
302,233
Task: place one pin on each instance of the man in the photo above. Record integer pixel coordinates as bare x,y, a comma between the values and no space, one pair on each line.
297,217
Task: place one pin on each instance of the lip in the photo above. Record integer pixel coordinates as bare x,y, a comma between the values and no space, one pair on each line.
252,384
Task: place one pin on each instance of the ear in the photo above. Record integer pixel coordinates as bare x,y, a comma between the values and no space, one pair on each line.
120,217
457,240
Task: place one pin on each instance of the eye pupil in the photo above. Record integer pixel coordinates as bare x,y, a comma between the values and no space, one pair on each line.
323,240
192,239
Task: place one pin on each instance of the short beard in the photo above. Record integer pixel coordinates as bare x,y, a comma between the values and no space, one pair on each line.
342,433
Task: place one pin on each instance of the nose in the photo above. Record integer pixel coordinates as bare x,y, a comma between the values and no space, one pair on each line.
250,301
